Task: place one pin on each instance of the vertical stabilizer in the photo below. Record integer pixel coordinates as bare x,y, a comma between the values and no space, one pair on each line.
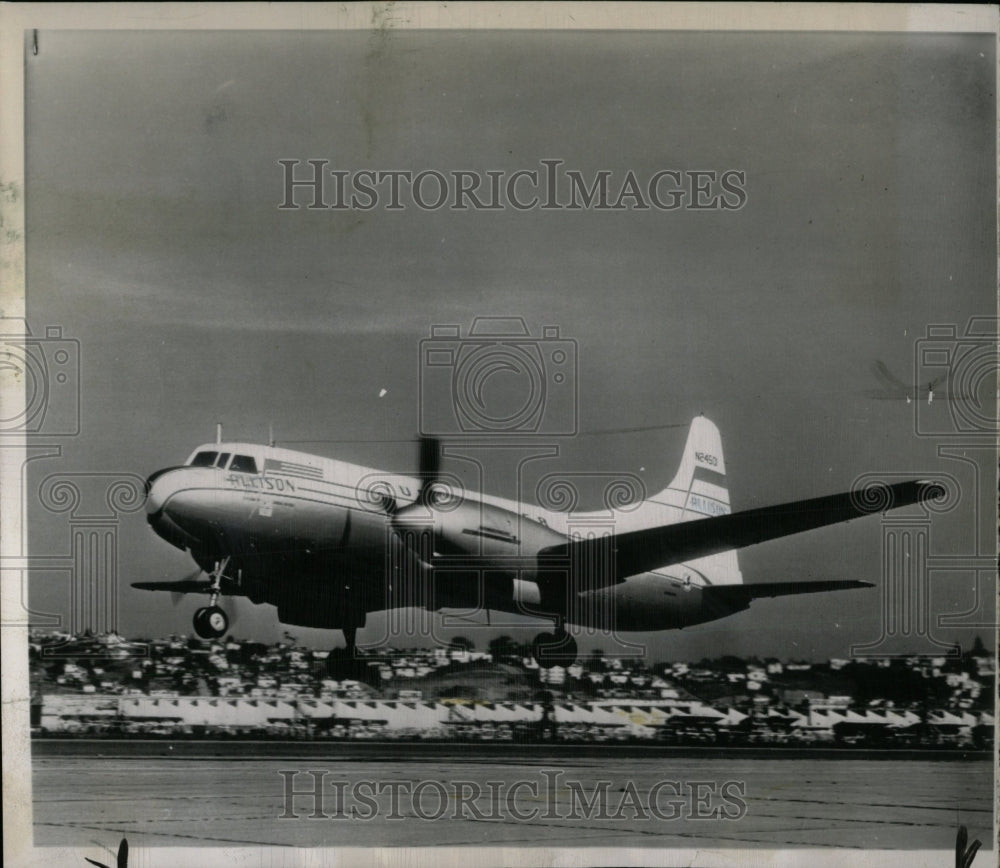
699,490
701,478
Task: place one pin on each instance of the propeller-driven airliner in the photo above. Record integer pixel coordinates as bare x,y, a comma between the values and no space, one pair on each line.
327,543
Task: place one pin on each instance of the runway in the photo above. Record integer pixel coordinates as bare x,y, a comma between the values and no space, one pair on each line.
465,799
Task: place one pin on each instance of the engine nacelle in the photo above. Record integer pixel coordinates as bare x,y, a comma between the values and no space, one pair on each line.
476,529
326,612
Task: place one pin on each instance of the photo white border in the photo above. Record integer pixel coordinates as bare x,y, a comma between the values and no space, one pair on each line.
18,18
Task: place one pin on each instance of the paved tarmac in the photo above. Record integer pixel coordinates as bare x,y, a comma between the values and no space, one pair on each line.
465,799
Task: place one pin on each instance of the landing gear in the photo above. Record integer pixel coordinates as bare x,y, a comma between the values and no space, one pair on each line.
210,622
554,649
341,662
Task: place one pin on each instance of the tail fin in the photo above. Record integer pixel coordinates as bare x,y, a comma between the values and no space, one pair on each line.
698,490
700,487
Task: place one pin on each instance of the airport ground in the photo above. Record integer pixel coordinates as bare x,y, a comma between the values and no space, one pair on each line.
205,794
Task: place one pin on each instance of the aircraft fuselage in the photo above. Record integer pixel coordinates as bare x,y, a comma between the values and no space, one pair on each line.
317,538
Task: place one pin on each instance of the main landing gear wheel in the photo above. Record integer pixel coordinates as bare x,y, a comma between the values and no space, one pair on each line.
554,649
210,622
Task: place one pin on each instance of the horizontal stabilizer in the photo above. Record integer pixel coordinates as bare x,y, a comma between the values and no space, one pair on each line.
186,586
741,595
654,548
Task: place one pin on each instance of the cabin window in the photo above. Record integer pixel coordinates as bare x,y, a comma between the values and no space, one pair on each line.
204,459
243,464
223,458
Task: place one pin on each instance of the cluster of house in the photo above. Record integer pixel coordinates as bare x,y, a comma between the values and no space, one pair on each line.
177,686
284,671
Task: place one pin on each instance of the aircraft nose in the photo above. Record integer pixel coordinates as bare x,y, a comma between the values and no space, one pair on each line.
162,510
155,499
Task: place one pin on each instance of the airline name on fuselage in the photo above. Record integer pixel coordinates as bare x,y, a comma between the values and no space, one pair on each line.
260,483
277,483
706,506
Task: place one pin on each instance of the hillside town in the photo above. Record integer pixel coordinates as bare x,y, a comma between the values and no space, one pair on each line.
106,686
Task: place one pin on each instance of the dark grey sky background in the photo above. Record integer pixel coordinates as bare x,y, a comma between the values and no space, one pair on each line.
155,238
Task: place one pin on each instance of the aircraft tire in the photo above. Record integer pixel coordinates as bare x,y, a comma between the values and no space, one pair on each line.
210,622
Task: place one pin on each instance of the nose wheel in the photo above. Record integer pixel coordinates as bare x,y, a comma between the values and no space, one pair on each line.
554,649
210,622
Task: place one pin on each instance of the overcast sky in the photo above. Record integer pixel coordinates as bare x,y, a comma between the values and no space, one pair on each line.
155,238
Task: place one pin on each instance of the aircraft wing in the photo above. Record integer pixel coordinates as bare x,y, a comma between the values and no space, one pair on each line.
654,548
187,586
742,595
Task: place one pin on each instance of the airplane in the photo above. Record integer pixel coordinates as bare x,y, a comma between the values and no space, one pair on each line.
328,542
896,388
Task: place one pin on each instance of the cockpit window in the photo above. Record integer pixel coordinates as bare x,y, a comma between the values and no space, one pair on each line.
243,464
204,459
223,458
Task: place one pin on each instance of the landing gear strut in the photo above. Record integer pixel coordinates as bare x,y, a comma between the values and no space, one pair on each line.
341,661
554,649
211,622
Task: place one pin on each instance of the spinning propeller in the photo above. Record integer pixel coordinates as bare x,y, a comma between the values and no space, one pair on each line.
420,512
413,523
429,468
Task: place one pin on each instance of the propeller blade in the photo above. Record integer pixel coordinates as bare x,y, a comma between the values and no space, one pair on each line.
430,466
880,370
414,523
